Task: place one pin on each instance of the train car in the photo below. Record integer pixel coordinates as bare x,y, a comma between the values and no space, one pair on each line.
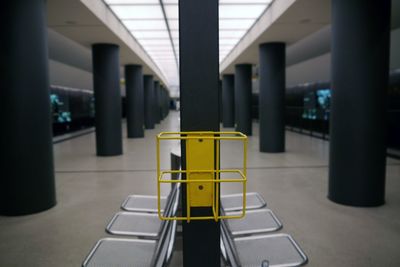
307,110
72,109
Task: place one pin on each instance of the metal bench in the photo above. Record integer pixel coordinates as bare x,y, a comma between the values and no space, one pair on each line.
143,203
148,203
243,246
230,202
133,252
234,202
154,251
143,225
255,222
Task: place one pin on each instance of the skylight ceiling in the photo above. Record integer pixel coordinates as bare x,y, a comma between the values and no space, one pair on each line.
155,25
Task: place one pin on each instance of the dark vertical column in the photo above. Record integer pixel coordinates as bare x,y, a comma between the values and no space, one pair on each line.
360,60
160,102
166,103
199,71
228,100
27,178
168,100
243,98
163,104
134,101
220,100
148,101
272,97
156,98
107,99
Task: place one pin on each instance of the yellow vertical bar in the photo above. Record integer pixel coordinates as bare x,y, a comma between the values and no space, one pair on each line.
158,176
213,189
219,178
187,197
213,199
245,175
244,156
187,185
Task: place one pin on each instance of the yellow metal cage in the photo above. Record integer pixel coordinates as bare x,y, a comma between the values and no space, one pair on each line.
202,172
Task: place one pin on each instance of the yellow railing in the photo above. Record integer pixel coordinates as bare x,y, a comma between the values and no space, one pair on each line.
202,175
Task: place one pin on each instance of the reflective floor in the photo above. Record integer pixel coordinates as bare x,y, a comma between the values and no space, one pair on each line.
90,190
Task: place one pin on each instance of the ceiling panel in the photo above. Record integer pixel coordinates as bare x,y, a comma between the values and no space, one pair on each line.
137,11
155,24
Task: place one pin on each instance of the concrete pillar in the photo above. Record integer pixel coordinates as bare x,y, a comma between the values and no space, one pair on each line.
272,97
148,101
198,34
107,95
243,98
134,100
360,67
220,100
156,100
27,170
228,100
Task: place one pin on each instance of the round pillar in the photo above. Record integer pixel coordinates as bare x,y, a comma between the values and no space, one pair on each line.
228,100
360,69
272,97
27,180
156,101
148,101
243,98
134,101
107,99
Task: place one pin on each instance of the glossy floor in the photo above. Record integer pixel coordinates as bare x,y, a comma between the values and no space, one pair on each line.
90,190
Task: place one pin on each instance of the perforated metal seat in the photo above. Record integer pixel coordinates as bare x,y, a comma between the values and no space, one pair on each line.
143,203
137,224
234,202
258,221
121,252
255,249
137,252
143,225
277,250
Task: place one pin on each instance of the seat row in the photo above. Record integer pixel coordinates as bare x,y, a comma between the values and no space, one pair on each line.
154,239
246,242
252,241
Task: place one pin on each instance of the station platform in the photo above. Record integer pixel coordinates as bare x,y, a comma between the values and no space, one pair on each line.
294,184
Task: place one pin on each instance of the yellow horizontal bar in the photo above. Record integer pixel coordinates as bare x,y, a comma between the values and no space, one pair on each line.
224,179
241,180
202,171
202,133
213,171
203,137
197,218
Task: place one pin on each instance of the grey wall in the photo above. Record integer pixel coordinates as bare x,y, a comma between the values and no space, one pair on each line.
70,64
318,68
69,52
69,76
314,69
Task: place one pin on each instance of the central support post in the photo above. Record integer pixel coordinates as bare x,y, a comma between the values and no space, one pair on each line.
198,33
